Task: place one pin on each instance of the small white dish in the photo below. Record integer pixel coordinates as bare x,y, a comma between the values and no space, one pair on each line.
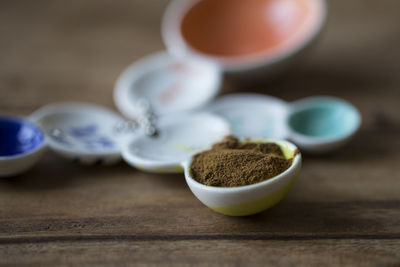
252,115
171,85
80,131
179,137
248,199
21,145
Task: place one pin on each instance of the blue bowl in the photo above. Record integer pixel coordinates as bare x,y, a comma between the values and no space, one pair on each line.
18,136
21,144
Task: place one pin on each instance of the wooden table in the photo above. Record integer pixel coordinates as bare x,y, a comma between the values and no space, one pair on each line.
344,209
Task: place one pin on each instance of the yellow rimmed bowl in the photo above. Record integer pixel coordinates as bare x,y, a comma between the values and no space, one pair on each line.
248,199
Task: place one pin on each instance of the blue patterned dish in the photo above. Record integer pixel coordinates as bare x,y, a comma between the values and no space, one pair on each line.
82,132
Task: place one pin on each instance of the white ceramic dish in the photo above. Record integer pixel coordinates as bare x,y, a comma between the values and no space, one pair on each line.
171,85
180,137
252,115
80,131
249,199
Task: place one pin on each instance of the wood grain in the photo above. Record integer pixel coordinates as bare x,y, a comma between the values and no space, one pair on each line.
343,210
206,253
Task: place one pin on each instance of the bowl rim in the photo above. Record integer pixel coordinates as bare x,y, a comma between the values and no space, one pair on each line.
178,46
295,163
36,149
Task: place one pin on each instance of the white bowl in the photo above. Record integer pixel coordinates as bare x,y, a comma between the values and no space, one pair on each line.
248,199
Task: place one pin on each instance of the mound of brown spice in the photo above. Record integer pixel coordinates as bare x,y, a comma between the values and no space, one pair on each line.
231,163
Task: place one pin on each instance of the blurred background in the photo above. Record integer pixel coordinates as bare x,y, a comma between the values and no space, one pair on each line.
74,50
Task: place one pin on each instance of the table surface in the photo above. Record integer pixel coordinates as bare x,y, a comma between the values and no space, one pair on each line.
344,208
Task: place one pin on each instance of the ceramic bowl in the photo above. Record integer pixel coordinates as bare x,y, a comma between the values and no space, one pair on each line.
258,65
322,124
81,132
21,145
249,199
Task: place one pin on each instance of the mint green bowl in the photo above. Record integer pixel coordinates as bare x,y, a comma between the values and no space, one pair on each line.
322,123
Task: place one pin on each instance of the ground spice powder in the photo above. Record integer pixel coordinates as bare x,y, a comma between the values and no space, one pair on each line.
230,163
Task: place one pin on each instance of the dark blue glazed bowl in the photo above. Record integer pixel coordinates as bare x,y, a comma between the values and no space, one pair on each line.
18,137
21,144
